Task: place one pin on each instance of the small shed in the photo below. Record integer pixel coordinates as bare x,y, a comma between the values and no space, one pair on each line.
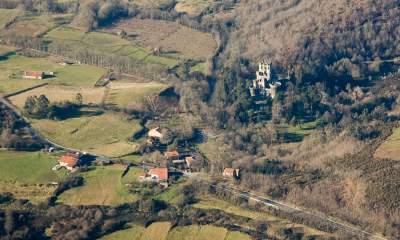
172,155
231,172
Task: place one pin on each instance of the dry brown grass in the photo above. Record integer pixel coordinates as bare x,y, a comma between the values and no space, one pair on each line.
170,37
390,148
58,93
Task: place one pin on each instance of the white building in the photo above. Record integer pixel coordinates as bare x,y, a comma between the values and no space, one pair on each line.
264,84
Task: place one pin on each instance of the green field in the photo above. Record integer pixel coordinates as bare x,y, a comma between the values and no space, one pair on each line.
26,174
208,202
12,68
104,134
156,231
391,147
132,232
163,231
124,94
198,232
102,186
107,43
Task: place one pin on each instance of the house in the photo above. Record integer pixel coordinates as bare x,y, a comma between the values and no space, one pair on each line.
159,174
172,155
34,75
189,161
69,161
155,133
232,173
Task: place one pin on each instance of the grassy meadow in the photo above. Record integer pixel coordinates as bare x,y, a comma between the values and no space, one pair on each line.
99,133
391,147
132,232
276,224
123,94
102,186
26,174
192,7
13,66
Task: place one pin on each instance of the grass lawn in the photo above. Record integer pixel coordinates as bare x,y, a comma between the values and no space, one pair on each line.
102,186
26,174
391,147
296,133
132,232
104,134
123,94
156,231
197,232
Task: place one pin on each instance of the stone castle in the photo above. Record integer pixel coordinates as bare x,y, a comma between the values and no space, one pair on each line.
266,83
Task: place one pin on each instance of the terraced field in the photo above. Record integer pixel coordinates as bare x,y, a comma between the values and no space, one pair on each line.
26,174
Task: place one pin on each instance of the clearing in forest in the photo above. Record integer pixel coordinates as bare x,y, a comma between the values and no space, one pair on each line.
391,147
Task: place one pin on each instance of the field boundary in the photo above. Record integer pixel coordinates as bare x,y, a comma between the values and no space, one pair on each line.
25,90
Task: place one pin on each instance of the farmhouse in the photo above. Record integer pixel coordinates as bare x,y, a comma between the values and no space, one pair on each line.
159,175
231,172
69,161
34,75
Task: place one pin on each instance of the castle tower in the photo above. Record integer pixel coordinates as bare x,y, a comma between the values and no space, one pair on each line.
264,84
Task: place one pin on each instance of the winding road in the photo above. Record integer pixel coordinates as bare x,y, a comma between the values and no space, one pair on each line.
357,232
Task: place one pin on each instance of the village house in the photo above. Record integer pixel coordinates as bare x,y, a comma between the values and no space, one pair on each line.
69,161
231,173
34,75
159,175
155,133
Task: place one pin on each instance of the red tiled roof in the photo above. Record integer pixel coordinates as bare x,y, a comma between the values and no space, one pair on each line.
162,173
36,74
69,160
230,172
172,154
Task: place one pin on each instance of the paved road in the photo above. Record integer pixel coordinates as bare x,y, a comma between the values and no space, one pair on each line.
290,209
233,189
